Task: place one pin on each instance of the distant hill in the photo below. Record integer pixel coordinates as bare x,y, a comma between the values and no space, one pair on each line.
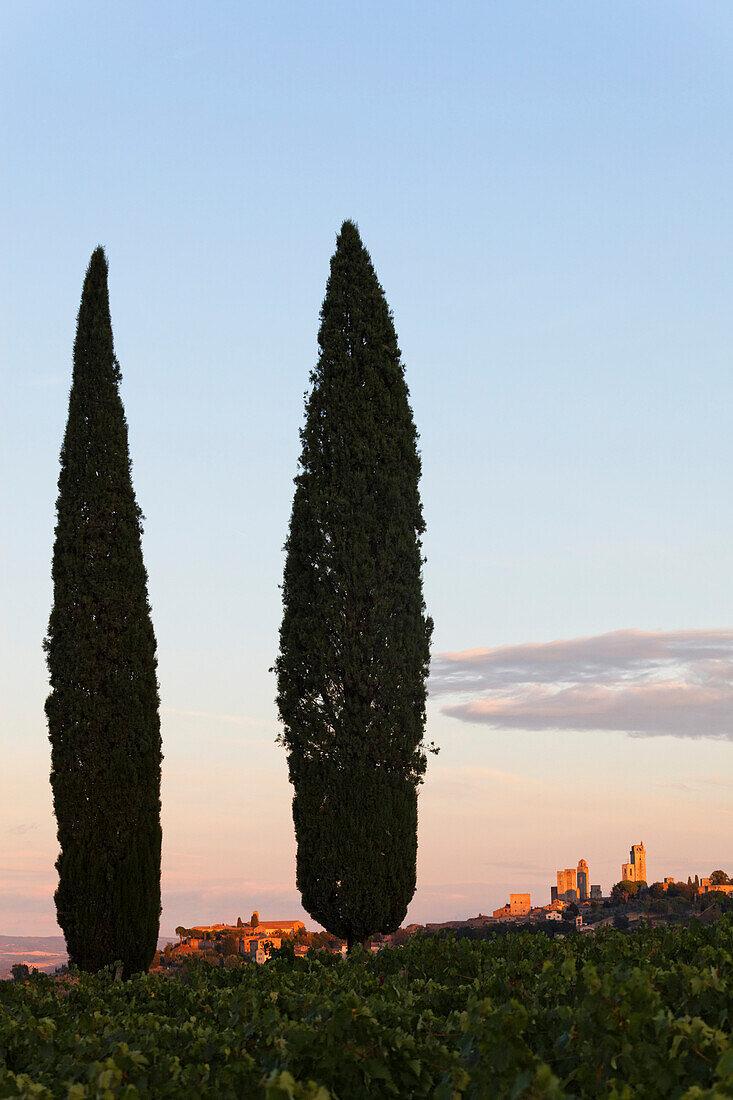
46,953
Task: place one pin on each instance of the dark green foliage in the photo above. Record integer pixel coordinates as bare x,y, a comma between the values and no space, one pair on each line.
354,641
103,706
724,902
680,890
230,944
643,1015
627,889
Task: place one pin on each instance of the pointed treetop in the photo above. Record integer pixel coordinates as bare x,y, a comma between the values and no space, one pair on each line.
94,346
355,316
97,271
98,259
349,242
349,229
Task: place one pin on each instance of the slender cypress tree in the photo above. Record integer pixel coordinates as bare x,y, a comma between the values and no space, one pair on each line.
354,641
102,710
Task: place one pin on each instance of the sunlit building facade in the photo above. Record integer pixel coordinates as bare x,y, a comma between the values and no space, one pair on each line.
567,884
582,878
635,869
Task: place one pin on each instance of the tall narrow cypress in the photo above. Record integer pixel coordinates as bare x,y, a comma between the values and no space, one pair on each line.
102,710
354,640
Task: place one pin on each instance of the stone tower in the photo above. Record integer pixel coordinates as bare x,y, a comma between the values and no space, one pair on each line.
637,856
582,880
567,887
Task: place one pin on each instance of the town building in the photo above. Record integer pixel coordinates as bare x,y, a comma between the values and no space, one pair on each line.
635,869
595,893
582,877
519,905
264,935
248,945
706,888
263,927
638,858
567,884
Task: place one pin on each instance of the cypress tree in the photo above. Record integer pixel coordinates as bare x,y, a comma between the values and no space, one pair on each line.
354,640
102,709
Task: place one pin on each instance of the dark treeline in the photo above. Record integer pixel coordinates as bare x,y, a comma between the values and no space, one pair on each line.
354,641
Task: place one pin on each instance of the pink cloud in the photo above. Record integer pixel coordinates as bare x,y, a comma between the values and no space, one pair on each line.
678,683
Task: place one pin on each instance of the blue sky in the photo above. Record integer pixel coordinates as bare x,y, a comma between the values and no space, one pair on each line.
545,192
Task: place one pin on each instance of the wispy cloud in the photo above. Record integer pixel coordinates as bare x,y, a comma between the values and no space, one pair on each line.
21,830
645,684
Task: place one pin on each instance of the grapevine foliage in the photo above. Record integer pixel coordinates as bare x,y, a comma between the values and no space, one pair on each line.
614,1016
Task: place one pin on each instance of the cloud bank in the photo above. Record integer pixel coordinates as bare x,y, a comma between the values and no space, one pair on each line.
646,684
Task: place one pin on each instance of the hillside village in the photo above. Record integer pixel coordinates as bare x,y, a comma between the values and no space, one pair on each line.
254,940
241,943
662,903
575,907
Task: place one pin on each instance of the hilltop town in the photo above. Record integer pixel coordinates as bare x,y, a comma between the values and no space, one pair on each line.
575,905
575,899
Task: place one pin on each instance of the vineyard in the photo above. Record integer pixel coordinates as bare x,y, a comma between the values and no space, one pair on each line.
644,1015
